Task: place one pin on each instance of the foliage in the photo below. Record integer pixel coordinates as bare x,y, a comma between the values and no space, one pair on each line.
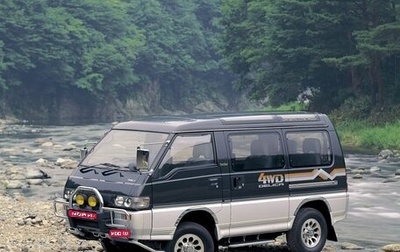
366,135
341,49
94,52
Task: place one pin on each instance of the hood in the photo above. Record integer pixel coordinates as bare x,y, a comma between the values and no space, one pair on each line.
110,182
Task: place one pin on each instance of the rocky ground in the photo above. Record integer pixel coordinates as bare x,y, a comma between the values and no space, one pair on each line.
31,226
28,224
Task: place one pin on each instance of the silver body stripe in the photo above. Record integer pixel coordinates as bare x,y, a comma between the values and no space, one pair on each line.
313,184
244,217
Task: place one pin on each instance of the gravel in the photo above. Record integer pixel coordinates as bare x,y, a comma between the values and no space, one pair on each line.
28,226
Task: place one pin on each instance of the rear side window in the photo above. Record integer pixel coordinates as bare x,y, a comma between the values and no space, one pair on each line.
309,148
256,151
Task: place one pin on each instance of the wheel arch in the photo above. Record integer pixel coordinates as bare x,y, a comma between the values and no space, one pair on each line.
323,207
203,217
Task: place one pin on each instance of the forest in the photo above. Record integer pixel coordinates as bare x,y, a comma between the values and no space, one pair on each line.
100,60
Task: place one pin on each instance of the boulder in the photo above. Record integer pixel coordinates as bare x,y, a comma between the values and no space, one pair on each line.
42,162
47,144
384,154
391,248
350,246
66,163
14,184
34,173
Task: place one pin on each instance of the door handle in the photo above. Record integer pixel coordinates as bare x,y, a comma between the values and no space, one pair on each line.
238,183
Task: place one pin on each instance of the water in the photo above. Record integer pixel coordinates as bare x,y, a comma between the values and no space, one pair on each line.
373,218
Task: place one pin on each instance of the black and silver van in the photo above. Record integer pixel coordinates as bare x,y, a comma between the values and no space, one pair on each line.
209,183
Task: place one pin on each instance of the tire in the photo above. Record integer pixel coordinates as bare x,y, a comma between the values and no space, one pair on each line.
309,231
191,236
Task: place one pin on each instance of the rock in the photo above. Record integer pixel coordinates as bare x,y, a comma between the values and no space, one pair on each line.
42,162
397,173
34,173
391,248
390,180
37,151
14,184
34,181
350,246
374,169
66,163
384,154
357,176
47,144
17,177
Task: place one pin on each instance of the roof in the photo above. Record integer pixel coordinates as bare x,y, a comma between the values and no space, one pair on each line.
225,121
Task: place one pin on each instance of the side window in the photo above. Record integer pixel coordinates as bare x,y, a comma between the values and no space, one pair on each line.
309,148
188,150
256,151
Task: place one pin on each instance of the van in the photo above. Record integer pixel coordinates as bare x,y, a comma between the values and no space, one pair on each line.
211,182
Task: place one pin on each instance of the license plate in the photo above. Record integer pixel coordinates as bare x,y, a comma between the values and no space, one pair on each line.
119,233
79,214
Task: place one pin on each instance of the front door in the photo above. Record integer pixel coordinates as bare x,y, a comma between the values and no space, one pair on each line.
259,191
188,178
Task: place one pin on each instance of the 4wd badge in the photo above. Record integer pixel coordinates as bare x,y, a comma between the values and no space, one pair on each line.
271,180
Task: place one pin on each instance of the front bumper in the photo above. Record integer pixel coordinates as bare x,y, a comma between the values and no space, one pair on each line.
133,226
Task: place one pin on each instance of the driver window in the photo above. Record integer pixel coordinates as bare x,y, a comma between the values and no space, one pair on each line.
187,150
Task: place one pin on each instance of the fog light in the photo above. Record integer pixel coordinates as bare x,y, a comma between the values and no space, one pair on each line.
92,201
80,199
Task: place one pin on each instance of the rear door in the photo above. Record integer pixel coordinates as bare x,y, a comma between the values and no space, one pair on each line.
259,191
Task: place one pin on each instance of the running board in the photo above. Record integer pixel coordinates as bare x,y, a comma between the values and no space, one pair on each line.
246,244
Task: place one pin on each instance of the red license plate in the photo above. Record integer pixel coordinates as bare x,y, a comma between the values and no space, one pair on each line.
82,214
119,233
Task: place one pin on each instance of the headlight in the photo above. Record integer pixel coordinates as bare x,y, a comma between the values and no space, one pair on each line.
132,202
67,193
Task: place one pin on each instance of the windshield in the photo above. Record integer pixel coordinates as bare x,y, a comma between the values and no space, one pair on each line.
118,148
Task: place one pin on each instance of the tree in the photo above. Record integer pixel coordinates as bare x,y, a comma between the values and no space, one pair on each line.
281,48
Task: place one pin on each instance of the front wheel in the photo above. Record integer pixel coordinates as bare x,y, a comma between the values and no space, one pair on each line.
309,231
191,236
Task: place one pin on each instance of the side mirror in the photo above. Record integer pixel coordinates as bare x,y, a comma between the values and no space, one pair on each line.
142,159
84,152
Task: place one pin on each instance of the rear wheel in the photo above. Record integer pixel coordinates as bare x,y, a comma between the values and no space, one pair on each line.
309,231
192,237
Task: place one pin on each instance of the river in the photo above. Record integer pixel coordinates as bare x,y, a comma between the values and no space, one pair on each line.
374,210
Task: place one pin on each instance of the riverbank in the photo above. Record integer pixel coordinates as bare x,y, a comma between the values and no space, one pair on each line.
30,226
362,134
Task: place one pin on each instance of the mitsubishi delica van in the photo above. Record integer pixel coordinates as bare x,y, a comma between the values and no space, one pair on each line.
209,183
